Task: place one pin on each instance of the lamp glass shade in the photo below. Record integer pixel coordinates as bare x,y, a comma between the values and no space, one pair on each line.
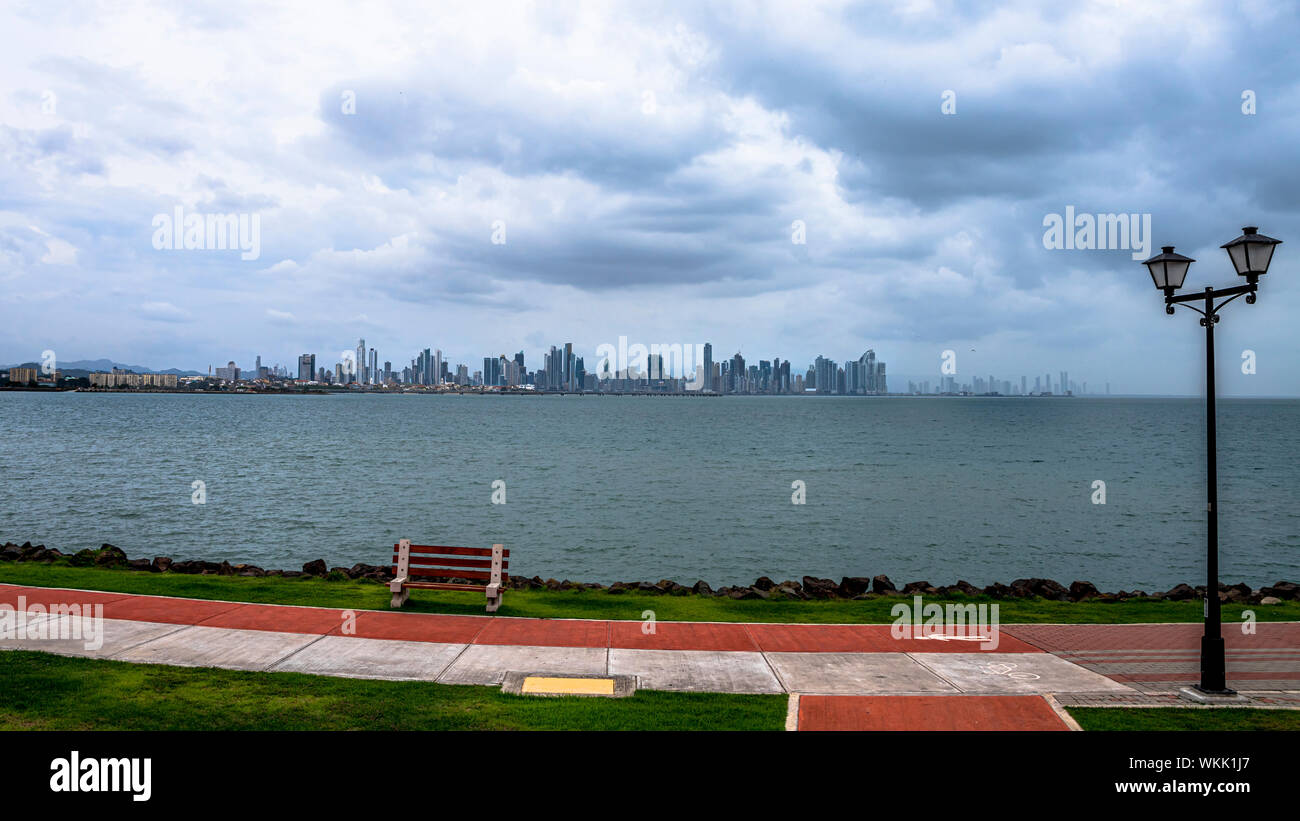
1168,270
1251,252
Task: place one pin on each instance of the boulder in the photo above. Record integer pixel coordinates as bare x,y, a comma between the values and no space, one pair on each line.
141,564
1270,600
82,558
792,589
919,588
1082,590
882,584
851,586
647,588
1043,588
315,568
998,590
161,564
764,583
1180,592
110,556
618,587
965,588
818,588
225,569
1287,591
249,570
11,552
701,588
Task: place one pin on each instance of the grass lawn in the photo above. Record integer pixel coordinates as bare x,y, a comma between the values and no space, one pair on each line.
598,604
1184,718
43,691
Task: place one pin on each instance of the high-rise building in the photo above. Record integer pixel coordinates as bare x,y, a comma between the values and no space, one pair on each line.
307,367
708,367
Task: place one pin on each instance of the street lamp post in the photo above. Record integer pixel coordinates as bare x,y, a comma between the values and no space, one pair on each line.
1250,254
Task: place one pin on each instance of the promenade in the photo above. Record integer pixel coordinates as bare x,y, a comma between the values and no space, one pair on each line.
837,676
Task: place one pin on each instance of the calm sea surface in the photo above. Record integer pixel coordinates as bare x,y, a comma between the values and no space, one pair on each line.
628,488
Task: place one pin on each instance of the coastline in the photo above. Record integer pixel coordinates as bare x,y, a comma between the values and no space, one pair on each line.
809,587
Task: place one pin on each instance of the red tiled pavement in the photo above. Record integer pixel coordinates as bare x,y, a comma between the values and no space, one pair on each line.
377,624
545,633
1064,638
927,713
314,620
166,610
669,635
45,596
864,638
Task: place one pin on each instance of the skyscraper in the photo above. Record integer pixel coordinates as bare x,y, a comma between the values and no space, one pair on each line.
708,367
360,376
306,367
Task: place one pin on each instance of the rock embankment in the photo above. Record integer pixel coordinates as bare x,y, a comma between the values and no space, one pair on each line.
809,587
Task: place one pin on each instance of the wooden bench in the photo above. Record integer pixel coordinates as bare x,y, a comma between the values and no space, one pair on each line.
431,562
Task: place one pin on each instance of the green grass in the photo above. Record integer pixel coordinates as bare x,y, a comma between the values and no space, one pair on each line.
48,692
1188,718
588,604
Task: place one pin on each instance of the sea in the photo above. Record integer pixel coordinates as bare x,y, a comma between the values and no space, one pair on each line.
634,488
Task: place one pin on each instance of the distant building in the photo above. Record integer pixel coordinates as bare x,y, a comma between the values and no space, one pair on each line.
307,367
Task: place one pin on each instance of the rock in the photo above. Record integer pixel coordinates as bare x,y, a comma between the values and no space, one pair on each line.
110,556
1287,591
647,588
668,586
746,593
315,568
46,555
224,569
882,584
291,574
792,589
998,590
922,588
1082,590
701,588
161,564
249,570
1180,592
1043,588
966,588
82,558
1270,600
851,586
141,564
818,588
764,583
618,587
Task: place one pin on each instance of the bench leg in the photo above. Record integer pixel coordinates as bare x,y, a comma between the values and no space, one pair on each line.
399,599
493,602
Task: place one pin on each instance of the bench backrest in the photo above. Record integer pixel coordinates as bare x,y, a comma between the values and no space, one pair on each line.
443,562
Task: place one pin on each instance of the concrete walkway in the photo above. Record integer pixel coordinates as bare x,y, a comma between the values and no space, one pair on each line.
811,660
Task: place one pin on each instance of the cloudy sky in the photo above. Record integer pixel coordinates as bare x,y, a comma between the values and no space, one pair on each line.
649,168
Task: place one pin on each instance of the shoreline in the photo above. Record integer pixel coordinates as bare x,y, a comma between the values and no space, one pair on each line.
809,587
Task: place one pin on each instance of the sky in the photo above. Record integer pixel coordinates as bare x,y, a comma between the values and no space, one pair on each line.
784,179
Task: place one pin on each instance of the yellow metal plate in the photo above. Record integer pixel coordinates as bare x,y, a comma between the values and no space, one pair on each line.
575,686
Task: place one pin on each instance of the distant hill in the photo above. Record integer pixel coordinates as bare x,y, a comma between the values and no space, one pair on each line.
85,366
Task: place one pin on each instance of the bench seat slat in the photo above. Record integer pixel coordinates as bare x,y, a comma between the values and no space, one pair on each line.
432,561
452,551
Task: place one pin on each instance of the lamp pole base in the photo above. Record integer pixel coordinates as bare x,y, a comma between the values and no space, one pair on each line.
1222,697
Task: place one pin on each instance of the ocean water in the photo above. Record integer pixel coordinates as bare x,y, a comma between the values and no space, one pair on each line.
632,488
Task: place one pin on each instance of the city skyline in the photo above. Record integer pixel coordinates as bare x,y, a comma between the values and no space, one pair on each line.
692,170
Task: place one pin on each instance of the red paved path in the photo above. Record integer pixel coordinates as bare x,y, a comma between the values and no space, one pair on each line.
927,713
501,630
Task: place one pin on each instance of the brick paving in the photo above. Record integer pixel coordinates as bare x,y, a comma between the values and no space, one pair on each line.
1157,659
